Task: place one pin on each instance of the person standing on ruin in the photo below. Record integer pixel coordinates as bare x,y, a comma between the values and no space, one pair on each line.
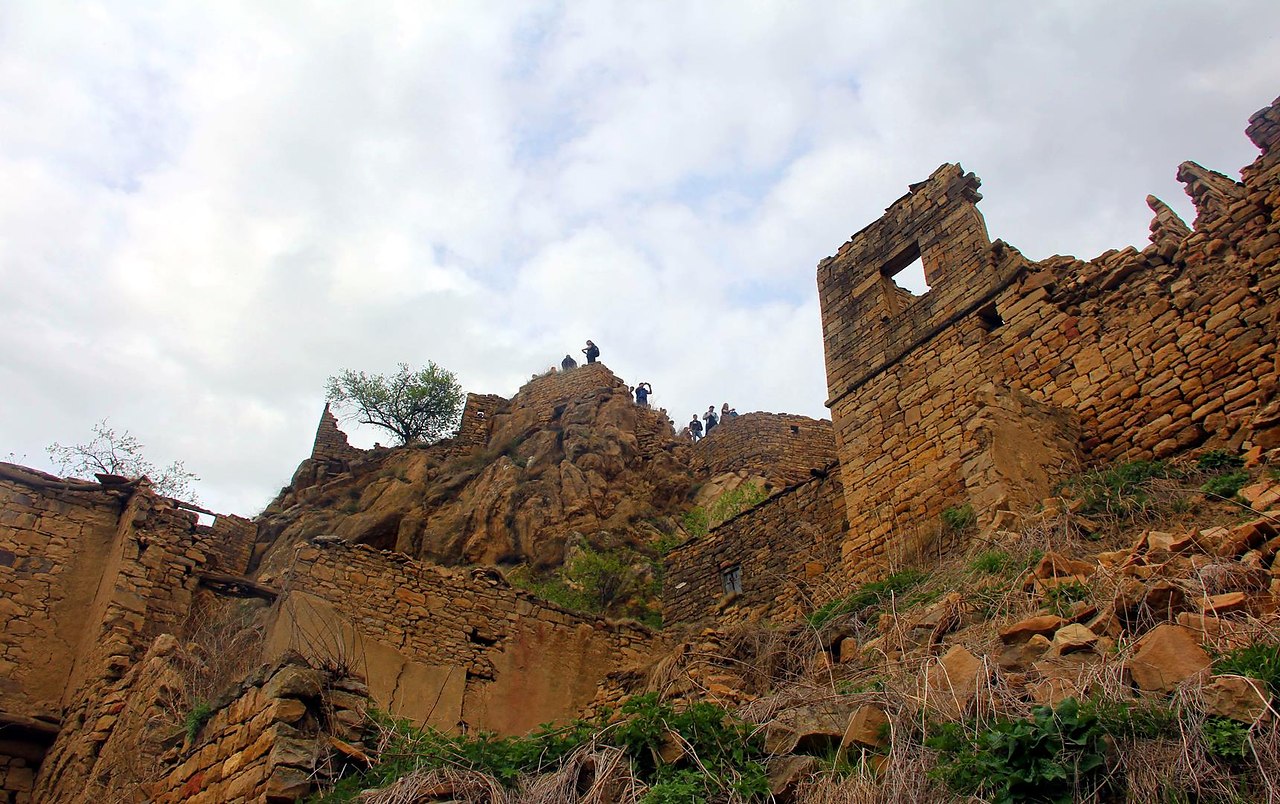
568,363
642,394
695,428
710,418
592,352
724,411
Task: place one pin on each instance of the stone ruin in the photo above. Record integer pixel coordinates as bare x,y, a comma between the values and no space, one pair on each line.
985,391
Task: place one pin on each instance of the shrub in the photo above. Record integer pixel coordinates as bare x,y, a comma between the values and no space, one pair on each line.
958,519
1226,486
1045,758
1219,460
1259,660
197,716
725,755
867,597
1225,739
698,521
1122,491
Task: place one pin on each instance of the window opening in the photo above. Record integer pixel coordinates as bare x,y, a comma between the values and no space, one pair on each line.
731,579
906,270
990,318
795,429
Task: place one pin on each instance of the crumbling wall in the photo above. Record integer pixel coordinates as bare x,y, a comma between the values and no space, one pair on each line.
444,646
331,443
477,420
775,560
54,544
269,738
1153,351
779,446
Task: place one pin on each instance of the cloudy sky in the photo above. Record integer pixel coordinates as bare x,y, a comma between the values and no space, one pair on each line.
208,208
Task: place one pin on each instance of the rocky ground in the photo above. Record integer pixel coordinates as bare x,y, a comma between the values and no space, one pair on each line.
1121,644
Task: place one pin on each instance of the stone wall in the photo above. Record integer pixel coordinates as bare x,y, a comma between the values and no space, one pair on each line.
786,551
90,573
268,738
54,544
542,393
779,446
331,443
17,777
1152,352
477,419
445,646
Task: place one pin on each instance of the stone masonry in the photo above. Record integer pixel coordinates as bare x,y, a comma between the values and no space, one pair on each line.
779,446
770,561
443,646
1148,352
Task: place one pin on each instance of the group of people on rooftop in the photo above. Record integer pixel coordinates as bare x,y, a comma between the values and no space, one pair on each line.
694,431
591,351
701,429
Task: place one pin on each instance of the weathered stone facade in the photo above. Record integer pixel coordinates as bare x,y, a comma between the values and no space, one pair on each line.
781,447
1152,352
90,572
769,561
444,646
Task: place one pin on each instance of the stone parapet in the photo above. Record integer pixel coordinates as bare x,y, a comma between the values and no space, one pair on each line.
779,446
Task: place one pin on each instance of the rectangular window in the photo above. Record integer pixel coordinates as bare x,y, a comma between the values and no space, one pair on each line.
731,579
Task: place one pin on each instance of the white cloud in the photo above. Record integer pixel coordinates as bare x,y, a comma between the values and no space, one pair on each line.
210,209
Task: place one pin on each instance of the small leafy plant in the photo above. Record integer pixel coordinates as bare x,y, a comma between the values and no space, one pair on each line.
1062,597
1047,757
1122,491
1259,660
1226,486
1219,460
1225,738
197,716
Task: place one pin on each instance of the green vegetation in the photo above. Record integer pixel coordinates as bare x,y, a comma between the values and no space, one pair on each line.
1045,758
867,598
197,716
1122,491
698,521
1225,738
1219,460
597,582
1259,660
1062,597
1227,485
720,754
958,519
413,405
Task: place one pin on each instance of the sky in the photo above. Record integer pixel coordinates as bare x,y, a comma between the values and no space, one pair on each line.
208,208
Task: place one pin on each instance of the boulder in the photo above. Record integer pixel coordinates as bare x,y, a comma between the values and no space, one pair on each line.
1023,630
1238,698
1072,639
868,728
1167,656
1020,655
952,684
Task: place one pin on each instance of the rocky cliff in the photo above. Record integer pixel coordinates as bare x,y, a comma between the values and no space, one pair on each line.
569,456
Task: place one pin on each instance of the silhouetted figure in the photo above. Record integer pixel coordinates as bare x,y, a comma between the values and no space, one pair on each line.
695,428
592,352
710,418
568,363
642,394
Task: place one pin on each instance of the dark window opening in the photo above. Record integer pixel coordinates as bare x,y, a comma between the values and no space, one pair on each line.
906,271
990,318
795,428
731,579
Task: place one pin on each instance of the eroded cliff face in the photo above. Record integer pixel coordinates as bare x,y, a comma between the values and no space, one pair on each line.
567,455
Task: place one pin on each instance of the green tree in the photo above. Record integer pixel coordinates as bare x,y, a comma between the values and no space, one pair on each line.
415,405
112,453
